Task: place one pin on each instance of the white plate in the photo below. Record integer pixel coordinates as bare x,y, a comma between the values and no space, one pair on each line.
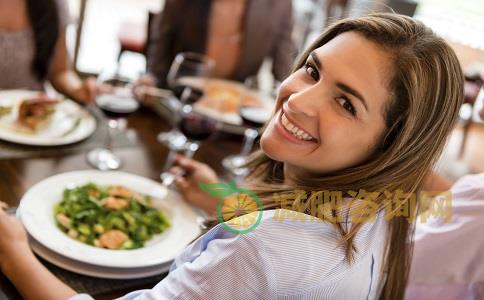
36,212
70,122
96,271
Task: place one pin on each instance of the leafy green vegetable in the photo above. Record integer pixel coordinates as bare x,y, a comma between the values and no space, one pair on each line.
90,213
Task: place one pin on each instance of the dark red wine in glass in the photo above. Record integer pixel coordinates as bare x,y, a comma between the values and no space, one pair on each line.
254,116
197,127
178,90
116,107
190,95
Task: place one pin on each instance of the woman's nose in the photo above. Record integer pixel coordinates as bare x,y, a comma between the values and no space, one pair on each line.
306,101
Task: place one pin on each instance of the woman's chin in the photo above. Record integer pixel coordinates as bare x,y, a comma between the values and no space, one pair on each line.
274,150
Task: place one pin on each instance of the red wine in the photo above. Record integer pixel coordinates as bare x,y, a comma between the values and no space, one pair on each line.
117,81
196,126
254,116
113,115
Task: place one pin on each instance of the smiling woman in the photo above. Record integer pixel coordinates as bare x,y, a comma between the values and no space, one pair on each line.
368,107
358,124
322,106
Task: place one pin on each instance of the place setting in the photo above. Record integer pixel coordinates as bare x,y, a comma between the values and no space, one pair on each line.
200,106
35,123
35,119
114,225
222,99
110,225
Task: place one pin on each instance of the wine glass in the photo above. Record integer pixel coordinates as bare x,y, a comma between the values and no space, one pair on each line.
195,127
253,118
188,69
189,96
114,105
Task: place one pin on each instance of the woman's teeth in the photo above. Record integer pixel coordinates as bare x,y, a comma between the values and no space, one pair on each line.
296,131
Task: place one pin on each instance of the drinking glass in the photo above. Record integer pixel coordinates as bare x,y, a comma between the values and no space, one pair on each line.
253,119
194,126
188,69
114,106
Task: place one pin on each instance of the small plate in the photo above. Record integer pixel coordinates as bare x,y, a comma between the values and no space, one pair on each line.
70,123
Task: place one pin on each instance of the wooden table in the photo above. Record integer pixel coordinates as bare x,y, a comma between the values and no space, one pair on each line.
17,176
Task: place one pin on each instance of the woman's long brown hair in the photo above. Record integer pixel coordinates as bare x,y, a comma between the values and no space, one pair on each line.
426,92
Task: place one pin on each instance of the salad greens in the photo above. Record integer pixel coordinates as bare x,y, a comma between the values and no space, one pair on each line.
111,217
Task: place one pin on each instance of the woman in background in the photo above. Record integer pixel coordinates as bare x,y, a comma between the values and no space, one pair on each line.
237,34
33,49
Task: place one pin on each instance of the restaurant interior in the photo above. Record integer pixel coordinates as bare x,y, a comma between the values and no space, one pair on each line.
122,104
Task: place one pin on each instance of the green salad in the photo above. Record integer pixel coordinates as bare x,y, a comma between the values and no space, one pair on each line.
112,217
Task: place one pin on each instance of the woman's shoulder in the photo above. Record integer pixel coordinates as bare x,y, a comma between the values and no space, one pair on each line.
291,257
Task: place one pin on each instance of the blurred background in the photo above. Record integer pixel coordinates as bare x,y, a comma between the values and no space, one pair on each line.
107,33
104,22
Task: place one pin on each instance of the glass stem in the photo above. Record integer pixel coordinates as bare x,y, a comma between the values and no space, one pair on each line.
170,159
112,125
191,148
250,135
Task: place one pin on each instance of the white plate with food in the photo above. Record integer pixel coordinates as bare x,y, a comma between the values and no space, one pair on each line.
109,219
96,271
223,99
31,118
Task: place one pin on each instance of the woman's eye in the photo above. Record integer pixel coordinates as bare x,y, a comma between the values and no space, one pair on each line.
311,71
346,104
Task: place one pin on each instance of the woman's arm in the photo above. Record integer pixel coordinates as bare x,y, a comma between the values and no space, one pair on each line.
65,80
19,264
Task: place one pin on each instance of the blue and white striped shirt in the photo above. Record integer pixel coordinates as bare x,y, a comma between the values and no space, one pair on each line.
300,258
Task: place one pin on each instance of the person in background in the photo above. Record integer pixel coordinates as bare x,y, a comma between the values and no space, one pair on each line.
237,34
448,258
33,49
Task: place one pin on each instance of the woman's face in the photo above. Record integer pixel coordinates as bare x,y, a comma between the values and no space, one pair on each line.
331,113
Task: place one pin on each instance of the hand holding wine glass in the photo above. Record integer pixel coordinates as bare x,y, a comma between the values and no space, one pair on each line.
195,127
189,185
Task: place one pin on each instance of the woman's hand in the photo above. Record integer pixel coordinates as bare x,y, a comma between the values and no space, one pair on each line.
188,185
13,240
141,90
20,265
86,92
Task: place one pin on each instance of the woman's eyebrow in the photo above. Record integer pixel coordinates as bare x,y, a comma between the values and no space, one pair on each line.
346,88
316,60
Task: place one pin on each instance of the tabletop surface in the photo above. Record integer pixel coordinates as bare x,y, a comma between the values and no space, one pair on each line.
146,159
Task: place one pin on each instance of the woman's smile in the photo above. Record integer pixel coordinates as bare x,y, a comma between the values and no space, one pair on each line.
292,132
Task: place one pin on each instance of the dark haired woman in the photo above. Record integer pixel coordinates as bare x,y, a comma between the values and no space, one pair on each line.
33,48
